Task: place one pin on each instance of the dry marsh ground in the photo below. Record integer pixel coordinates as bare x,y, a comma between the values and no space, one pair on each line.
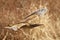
13,11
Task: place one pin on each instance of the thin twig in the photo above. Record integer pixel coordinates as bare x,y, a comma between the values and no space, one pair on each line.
5,36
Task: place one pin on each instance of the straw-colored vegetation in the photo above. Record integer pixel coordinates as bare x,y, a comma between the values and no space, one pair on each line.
13,12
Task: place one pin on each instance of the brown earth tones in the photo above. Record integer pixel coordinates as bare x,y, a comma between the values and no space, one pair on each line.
13,11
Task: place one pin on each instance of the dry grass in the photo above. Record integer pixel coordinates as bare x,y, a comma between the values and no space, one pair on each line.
12,12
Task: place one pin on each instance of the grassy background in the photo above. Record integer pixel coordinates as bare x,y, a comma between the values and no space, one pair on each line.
13,11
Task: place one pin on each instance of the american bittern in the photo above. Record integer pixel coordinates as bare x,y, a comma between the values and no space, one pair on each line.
24,24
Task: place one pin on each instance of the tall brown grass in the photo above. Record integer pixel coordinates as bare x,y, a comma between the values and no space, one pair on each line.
13,11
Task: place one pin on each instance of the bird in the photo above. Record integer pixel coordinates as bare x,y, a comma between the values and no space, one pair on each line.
25,24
